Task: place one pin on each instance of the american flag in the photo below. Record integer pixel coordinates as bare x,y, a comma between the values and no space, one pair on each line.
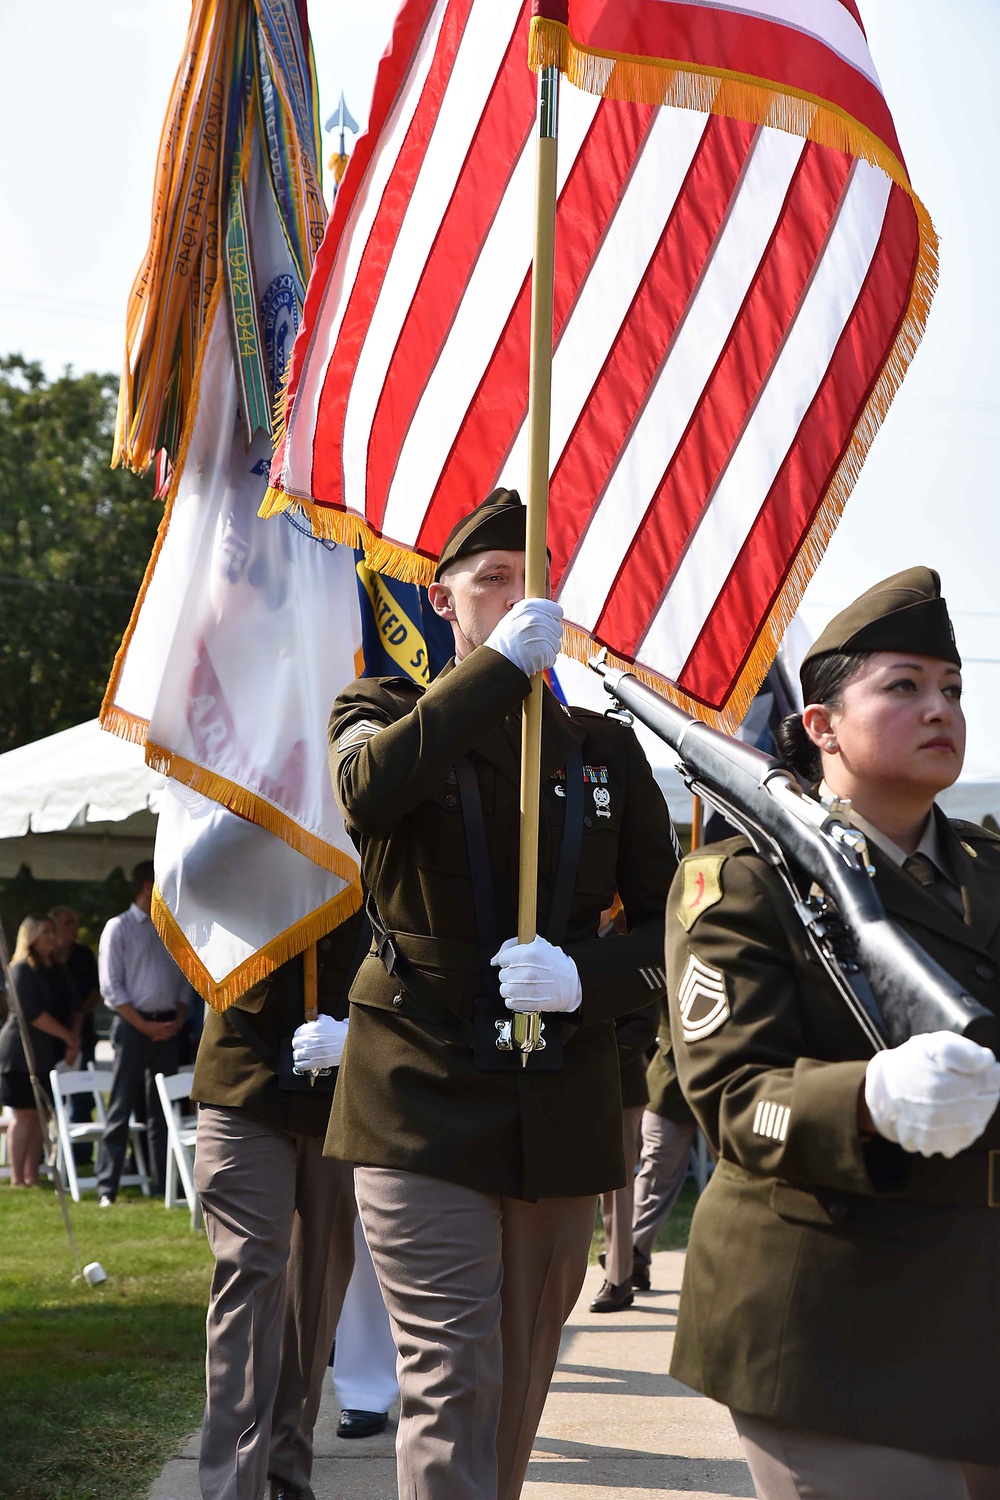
742,275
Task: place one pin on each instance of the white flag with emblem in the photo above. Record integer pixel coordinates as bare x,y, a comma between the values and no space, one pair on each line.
242,636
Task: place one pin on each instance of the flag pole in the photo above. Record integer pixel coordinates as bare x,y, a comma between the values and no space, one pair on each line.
527,1026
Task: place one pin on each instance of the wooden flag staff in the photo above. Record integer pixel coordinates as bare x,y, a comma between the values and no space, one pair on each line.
527,1026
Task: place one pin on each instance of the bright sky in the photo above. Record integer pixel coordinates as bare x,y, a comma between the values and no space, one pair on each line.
86,84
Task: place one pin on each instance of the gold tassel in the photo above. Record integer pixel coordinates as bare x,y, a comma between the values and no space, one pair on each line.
252,807
221,995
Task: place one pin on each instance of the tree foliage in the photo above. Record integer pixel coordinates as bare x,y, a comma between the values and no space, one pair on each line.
75,537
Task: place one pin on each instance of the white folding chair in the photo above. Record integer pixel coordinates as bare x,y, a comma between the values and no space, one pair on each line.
181,1136
97,1083
6,1120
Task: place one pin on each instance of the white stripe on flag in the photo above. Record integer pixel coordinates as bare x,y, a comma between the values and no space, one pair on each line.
827,21
479,321
325,328
797,374
477,63
614,278
705,327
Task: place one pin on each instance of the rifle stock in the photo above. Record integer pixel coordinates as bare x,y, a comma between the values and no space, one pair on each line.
894,989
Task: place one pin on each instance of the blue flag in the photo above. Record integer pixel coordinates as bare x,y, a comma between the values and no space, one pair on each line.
401,635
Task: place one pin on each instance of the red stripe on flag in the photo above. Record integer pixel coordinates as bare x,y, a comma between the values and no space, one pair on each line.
326,479
619,394
746,45
393,69
587,204
726,642
501,132
852,9
768,310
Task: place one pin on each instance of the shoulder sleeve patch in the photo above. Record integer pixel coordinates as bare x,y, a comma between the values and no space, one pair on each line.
701,999
701,887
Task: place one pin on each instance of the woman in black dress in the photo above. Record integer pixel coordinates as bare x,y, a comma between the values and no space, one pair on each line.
32,973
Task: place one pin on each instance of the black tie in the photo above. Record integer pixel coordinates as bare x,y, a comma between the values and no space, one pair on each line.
926,873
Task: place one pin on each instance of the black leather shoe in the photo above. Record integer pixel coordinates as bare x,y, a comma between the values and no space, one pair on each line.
357,1424
282,1491
612,1298
640,1273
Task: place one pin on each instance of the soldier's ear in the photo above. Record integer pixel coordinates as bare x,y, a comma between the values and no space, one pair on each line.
442,600
818,725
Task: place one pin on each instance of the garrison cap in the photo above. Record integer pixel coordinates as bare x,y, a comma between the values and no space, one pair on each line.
499,521
902,613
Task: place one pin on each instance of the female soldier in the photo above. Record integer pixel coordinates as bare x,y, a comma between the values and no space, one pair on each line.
31,971
842,1289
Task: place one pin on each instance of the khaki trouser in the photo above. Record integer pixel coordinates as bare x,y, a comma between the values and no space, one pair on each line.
666,1149
477,1288
280,1221
788,1463
616,1207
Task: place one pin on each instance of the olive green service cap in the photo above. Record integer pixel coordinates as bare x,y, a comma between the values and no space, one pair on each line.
499,521
902,613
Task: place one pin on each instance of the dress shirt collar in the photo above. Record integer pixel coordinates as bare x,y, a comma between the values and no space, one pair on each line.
930,839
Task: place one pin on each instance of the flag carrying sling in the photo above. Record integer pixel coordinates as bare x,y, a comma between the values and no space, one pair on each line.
742,276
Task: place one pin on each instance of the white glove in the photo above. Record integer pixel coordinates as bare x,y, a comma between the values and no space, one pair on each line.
318,1044
934,1094
537,976
529,635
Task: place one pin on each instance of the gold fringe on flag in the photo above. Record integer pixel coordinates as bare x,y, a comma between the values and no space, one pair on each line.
220,995
250,805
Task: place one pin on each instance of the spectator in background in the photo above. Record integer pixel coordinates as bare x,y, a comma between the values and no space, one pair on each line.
31,973
78,968
148,993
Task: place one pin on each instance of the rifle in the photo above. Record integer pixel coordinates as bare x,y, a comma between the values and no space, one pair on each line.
892,987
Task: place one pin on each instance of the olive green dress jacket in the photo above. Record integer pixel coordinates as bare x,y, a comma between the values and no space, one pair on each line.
833,1282
230,1073
409,1095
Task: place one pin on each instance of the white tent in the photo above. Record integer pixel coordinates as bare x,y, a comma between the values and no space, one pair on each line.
76,805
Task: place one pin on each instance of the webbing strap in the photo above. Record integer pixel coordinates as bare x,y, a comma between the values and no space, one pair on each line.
481,869
569,851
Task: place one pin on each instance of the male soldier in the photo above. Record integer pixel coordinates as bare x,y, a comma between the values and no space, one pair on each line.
472,1172
280,1221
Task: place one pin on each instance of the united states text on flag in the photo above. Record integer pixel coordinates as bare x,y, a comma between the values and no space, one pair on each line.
742,275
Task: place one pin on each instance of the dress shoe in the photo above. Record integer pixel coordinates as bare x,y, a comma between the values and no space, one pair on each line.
640,1272
282,1491
356,1424
612,1298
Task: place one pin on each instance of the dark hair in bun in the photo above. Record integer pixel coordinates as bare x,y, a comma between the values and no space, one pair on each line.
823,681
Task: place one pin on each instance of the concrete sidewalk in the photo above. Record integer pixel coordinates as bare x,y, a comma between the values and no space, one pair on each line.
614,1425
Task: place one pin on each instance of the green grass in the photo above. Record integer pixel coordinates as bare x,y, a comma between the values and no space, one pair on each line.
99,1384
